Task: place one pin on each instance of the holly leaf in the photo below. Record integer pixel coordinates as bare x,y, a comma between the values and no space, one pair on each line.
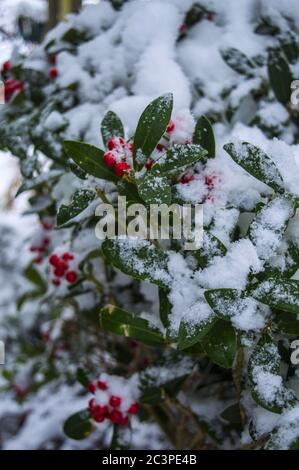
256,163
279,293
237,61
89,159
139,259
178,157
204,136
280,76
78,426
111,127
154,188
150,128
189,335
221,344
80,201
121,322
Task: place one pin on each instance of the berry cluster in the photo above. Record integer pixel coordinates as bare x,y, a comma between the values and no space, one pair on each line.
107,405
41,242
118,154
63,266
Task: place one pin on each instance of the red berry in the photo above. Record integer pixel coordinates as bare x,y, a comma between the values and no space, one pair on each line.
91,388
182,28
170,127
54,260
115,401
46,241
101,410
102,385
134,408
121,141
185,179
121,168
71,277
91,404
109,159
131,146
38,260
111,144
124,421
99,418
210,16
60,269
210,180
11,86
160,147
46,226
67,256
56,282
53,59
116,417
149,164
53,72
6,66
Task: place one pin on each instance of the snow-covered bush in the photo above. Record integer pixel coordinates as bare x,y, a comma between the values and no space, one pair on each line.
186,349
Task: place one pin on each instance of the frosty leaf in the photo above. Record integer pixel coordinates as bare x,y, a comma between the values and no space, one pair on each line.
287,323
76,169
138,259
279,293
180,156
192,334
221,344
78,426
237,61
74,36
80,201
49,177
280,76
212,246
151,126
267,228
90,159
221,301
267,386
255,162
111,127
123,323
204,136
290,46
154,188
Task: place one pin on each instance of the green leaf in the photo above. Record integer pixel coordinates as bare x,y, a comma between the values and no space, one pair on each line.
139,259
232,414
123,323
221,344
150,128
279,293
82,377
287,323
237,61
290,46
78,426
204,136
165,307
74,36
154,188
212,247
178,157
192,334
90,159
255,162
76,169
35,278
280,76
222,300
80,201
267,387
111,127
128,189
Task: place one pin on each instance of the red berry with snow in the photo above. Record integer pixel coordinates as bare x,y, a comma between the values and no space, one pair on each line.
109,159
99,418
92,388
6,66
67,256
134,408
102,385
115,401
116,417
185,179
71,277
171,126
121,168
53,73
54,260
